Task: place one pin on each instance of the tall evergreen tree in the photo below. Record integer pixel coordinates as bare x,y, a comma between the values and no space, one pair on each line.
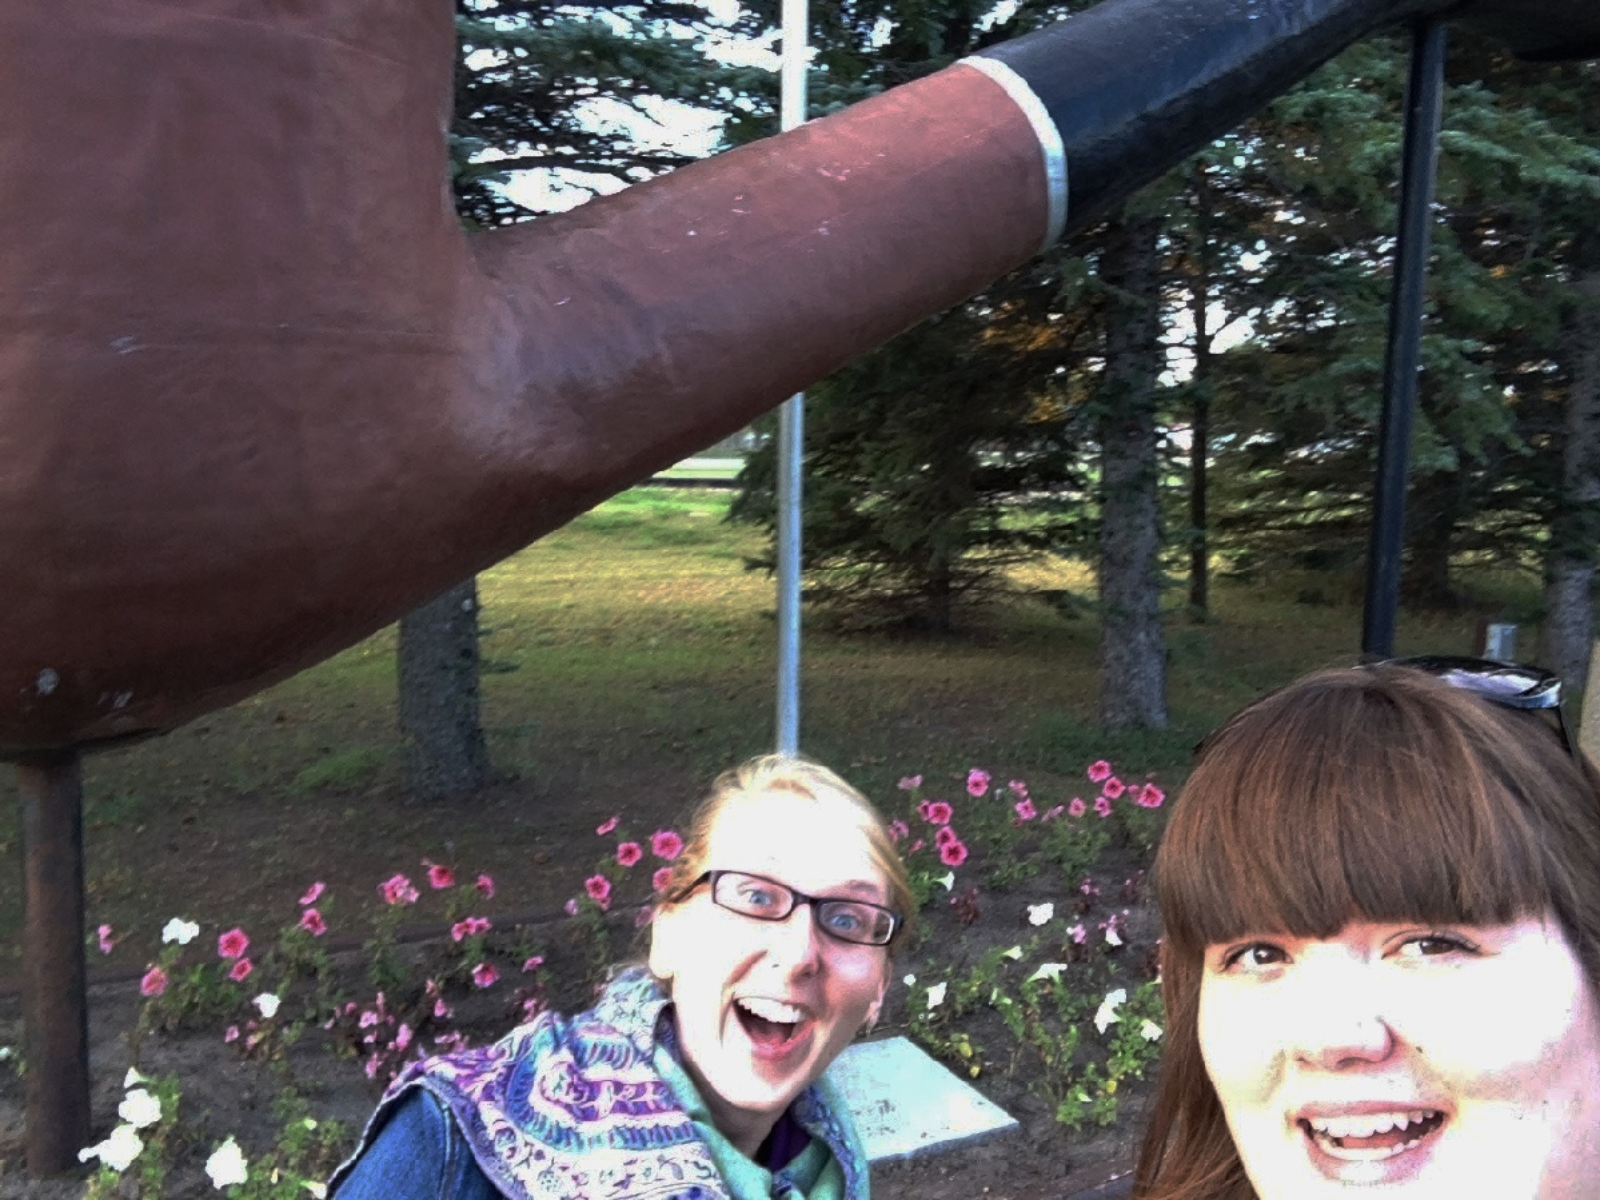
558,88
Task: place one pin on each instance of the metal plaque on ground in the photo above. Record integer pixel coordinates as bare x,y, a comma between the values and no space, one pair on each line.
906,1105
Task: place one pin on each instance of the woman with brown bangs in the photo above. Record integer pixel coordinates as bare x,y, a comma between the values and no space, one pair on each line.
1381,891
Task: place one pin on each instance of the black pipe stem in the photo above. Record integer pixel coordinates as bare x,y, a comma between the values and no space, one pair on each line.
1424,100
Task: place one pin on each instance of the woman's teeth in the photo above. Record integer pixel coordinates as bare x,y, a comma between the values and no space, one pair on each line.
775,1011
1386,1132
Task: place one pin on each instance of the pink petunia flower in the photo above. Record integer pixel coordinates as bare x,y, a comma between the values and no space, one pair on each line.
1077,808
1053,813
241,970
977,782
923,806
485,974
662,879
945,836
313,893
1113,788
397,890
233,943
153,983
571,907
953,853
1150,796
1102,806
599,889
1025,810
533,964
910,783
939,813
311,921
1078,934
441,1009
470,927
439,876
666,844
606,826
107,942
916,845
232,1034
1099,771
898,830
629,853
485,886
402,1038
1019,787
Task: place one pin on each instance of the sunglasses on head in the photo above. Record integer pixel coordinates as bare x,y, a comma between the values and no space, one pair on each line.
1508,685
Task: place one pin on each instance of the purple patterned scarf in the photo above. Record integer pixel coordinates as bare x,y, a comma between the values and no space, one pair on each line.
574,1108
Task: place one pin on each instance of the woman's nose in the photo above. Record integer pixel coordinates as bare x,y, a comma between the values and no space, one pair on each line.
795,941
1338,1023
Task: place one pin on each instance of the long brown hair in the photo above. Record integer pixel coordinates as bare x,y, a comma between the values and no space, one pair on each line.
1376,792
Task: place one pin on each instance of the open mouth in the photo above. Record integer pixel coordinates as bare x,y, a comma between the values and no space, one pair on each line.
770,1024
1370,1137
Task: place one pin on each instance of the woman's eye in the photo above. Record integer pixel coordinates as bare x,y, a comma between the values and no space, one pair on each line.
1434,945
845,921
1255,955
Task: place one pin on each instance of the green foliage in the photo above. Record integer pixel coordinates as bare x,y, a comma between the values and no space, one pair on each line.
932,467
548,86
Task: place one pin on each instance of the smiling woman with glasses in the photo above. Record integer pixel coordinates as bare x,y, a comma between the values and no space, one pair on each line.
1381,962
700,1077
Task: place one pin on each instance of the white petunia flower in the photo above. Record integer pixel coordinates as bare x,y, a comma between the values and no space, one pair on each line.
1107,1016
1050,971
118,1151
132,1078
226,1165
139,1108
1038,914
1112,937
1150,1030
1013,954
267,1004
936,995
319,1191
180,931
948,879
910,980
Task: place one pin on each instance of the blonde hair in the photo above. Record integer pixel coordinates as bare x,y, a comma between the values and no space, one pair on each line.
785,775
1380,793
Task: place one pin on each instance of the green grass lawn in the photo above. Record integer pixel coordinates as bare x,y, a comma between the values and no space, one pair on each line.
633,646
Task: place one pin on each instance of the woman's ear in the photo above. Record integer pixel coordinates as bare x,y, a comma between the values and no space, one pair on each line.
664,938
876,1008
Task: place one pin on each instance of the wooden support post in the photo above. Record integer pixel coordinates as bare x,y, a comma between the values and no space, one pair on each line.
55,1009
1589,721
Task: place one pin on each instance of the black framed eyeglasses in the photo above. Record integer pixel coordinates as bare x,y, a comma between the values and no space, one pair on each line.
854,921
1508,685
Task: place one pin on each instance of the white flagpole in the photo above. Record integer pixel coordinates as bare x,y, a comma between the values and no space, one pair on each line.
791,432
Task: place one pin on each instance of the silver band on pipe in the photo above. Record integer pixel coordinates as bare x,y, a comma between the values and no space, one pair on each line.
1055,155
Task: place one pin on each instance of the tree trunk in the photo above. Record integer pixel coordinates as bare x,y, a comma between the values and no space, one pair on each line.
1133,670
1434,511
1200,404
1565,637
445,755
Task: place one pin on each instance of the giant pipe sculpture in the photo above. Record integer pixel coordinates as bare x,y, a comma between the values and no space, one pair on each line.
259,394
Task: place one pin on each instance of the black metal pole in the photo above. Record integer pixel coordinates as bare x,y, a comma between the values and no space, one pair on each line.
1424,98
55,1010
